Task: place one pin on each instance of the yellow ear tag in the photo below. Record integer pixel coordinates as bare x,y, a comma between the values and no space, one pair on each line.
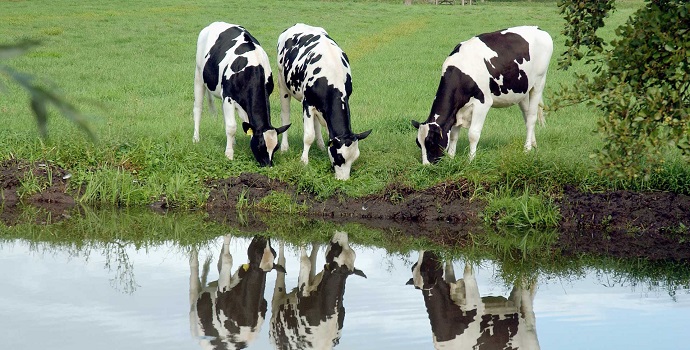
245,267
250,132
326,267
330,143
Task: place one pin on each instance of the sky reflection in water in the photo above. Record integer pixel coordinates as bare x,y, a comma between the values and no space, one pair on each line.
52,300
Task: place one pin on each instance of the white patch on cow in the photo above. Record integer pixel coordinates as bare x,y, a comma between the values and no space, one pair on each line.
347,255
271,139
350,154
422,133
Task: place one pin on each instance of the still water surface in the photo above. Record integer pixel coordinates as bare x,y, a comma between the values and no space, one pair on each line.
128,298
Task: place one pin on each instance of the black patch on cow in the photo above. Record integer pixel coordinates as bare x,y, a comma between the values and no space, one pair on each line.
333,105
225,41
239,63
334,252
338,159
244,48
497,331
512,49
455,90
435,143
204,309
248,88
456,49
317,70
345,60
447,320
269,84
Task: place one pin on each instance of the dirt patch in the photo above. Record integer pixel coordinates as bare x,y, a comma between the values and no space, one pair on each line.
621,224
39,184
652,225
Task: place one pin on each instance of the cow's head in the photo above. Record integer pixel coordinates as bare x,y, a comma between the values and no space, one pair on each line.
261,256
343,151
427,271
263,143
340,258
432,140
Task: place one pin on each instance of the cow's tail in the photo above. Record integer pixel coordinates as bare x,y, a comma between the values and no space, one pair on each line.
540,113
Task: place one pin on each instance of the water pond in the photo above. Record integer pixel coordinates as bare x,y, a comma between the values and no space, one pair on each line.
229,291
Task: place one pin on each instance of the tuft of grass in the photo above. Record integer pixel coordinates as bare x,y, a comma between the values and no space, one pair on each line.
280,202
505,209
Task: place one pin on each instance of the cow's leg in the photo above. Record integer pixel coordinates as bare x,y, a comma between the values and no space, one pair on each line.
194,282
279,289
304,272
199,90
472,297
211,103
530,340
284,110
478,116
308,131
453,140
224,265
449,272
531,113
319,135
230,127
312,261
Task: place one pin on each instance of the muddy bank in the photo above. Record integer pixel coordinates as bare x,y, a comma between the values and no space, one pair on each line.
619,224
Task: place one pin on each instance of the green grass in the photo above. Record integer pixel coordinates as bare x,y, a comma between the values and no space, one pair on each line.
131,64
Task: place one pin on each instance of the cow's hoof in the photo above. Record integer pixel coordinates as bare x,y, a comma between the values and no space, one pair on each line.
305,160
195,139
229,154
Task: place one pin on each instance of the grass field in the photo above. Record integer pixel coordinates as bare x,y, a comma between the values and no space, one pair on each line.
130,65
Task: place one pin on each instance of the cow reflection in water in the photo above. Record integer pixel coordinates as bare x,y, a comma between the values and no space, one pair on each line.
461,319
228,313
312,315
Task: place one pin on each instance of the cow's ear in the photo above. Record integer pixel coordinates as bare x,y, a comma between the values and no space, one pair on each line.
247,128
282,129
359,272
363,135
415,124
279,268
410,282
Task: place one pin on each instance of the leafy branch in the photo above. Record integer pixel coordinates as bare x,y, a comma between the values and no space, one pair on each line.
41,94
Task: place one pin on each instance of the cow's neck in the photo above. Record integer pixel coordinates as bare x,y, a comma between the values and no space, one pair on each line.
447,319
247,88
337,115
455,90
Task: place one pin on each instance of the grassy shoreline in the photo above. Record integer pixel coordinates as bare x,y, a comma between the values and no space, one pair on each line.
131,66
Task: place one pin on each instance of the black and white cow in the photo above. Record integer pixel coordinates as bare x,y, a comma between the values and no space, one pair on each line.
462,319
312,315
496,69
231,65
314,70
228,314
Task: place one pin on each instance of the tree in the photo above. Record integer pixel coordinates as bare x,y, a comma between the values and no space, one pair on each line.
640,80
40,94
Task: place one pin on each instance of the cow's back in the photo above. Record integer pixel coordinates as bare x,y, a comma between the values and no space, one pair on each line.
307,53
504,56
218,47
